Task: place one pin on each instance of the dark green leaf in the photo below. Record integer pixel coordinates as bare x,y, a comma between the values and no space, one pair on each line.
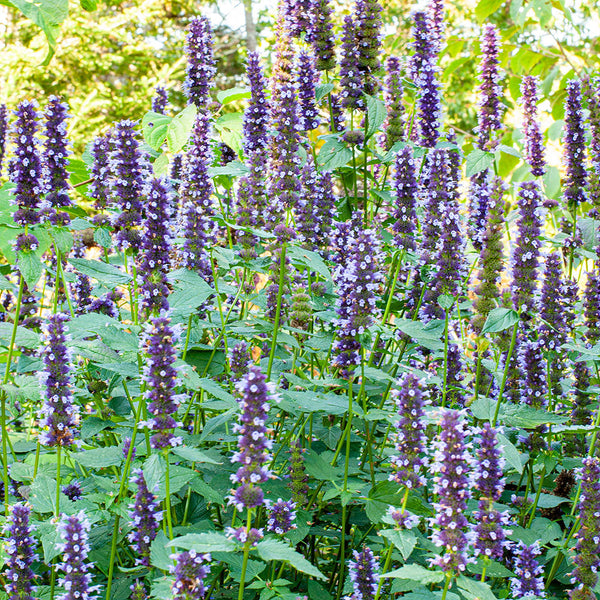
204,542
101,271
416,573
477,161
30,266
276,550
100,458
159,553
500,319
332,155
376,114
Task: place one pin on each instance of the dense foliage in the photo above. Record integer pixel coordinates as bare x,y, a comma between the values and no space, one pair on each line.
329,345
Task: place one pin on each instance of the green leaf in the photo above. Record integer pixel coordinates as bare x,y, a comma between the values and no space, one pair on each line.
233,94
477,161
429,338
332,155
322,90
100,458
528,417
159,555
404,540
63,239
193,455
485,8
42,494
178,131
101,271
319,468
30,266
25,337
511,454
309,259
89,5
376,114
214,389
154,129
416,573
102,237
500,319
204,542
477,590
209,493
5,284
276,550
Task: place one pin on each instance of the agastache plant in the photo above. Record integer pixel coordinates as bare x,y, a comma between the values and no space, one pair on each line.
528,582
59,414
306,77
200,69
364,574
394,123
367,16
100,186
160,379
533,142
592,93
281,516
322,38
3,133
160,100
190,571
574,148
351,82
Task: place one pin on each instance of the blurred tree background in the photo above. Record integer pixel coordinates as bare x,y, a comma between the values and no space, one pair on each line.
110,56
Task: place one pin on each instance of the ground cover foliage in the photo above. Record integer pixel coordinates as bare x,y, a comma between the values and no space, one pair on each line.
301,339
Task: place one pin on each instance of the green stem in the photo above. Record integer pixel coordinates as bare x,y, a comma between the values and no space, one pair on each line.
168,496
277,311
505,375
246,554
446,586
537,497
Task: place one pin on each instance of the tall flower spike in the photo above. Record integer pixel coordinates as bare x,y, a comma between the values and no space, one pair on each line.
254,449
394,122
591,304
154,262
59,414
256,115
281,516
533,381
533,142
587,551
409,437
100,186
239,361
129,167
145,518
307,78
200,69
423,70
364,574
160,378
574,148
528,582
581,412
451,466
525,258
436,11
74,532
3,133
190,571
297,473
196,200
56,153
160,100
26,165
367,17
490,90
300,17
592,92
351,82
138,591
490,532
19,546
322,38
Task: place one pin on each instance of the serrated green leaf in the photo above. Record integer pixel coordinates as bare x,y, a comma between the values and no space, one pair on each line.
159,555
510,453
376,114
24,337
102,237
416,573
30,266
233,94
485,8
332,155
179,129
204,542
478,161
101,271
500,319
404,540
193,455
479,589
276,550
100,458
154,129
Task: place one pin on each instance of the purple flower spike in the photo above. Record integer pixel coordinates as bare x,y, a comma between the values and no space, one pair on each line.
490,533
200,69
307,78
423,71
138,591
253,454
196,199
409,437
532,366
26,166
160,378
3,133
154,260
451,467
129,166
322,38
299,17
592,93
100,186
436,11
256,115
574,144
351,81
56,154
239,361
394,122
281,516
587,552
367,17
145,518
525,258
19,546
338,120
190,571
74,531
297,473
529,583
72,491
364,574
534,150
490,91
160,100
59,414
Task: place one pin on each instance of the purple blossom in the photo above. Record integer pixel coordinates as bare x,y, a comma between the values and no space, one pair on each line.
338,120
56,154
197,208
19,545
394,122
490,91
307,79
364,574
107,304
254,449
592,92
351,81
3,133
300,17
405,197
321,36
423,71
72,491
256,115
244,535
409,437
25,168
451,467
160,378
190,571
154,263
574,144
587,551
528,582
367,18
581,413
533,142
436,12
591,305
200,69
525,257
239,361
297,473
281,516
532,366
100,186
129,166
145,518
490,533
479,199
160,100
58,414
74,532
127,447
138,591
